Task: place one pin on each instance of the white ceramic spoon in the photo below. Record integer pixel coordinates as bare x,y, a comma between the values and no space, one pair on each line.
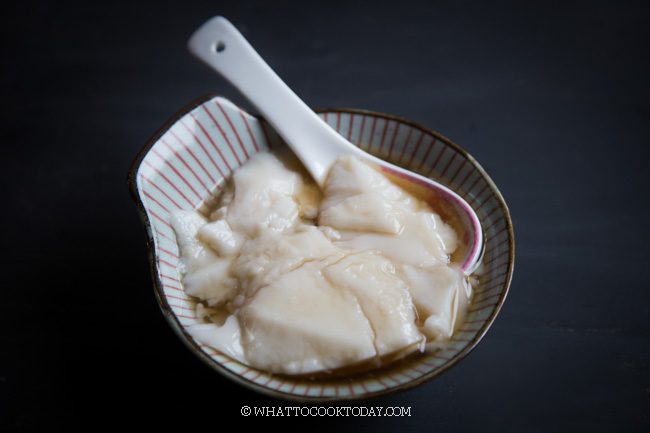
222,47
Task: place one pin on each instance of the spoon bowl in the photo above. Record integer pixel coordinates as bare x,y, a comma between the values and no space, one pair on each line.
218,44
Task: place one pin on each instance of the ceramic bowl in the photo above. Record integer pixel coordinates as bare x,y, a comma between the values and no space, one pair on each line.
188,161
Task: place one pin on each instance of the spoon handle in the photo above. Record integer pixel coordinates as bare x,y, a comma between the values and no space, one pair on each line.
222,47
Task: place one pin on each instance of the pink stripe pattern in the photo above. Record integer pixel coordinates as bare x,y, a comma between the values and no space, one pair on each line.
187,165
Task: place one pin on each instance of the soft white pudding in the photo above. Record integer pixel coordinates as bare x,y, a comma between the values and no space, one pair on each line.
295,280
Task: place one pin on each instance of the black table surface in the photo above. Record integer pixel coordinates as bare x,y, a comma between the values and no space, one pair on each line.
551,98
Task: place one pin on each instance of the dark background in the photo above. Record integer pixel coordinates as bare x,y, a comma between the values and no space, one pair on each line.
551,98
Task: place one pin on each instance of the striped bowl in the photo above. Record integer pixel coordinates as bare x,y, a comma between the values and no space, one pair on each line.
188,161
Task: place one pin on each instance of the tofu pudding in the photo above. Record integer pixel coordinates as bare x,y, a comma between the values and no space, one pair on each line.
294,280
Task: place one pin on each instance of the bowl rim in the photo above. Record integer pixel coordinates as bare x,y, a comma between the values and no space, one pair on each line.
189,342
